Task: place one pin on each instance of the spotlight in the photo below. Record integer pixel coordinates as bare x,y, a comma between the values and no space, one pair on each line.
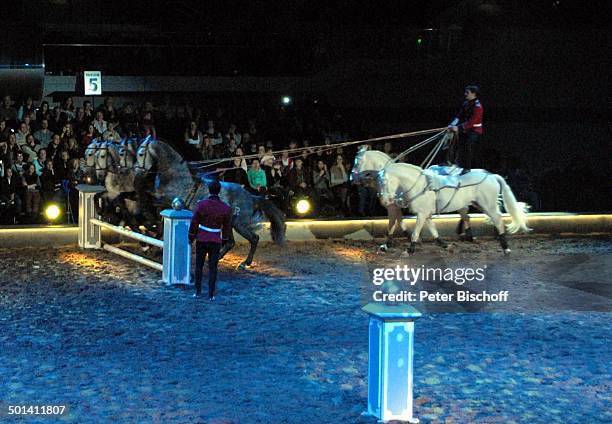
52,212
303,206
286,100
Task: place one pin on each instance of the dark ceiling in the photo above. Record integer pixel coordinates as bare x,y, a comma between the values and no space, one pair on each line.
282,16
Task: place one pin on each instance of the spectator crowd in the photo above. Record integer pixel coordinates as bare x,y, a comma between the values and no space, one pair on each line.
42,146
282,152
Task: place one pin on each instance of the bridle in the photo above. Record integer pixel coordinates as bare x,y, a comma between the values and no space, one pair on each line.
144,148
357,176
98,147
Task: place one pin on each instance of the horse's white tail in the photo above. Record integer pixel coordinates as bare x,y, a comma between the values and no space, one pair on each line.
517,210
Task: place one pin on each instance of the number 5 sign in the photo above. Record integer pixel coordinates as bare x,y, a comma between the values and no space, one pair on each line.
93,83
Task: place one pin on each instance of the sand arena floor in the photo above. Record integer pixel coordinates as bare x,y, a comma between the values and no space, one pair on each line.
286,342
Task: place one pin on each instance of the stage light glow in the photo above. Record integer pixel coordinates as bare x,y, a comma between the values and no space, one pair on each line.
286,100
52,212
303,206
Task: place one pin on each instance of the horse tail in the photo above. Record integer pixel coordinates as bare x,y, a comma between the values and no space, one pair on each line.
517,210
276,217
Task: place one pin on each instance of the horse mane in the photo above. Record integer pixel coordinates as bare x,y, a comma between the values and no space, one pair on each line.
384,156
186,151
170,157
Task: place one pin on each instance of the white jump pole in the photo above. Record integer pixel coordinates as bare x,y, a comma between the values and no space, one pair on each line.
176,263
390,367
132,257
127,233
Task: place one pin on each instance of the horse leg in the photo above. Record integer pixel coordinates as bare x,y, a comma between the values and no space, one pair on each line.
496,217
420,221
434,232
394,222
464,229
253,239
227,246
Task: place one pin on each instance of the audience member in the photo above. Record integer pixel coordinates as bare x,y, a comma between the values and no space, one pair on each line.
43,136
257,177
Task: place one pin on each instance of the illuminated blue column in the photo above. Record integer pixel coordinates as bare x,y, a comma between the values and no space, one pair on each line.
177,249
390,368
89,235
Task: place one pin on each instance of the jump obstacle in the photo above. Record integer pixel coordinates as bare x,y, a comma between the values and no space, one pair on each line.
175,246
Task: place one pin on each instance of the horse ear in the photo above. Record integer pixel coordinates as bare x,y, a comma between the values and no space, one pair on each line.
362,148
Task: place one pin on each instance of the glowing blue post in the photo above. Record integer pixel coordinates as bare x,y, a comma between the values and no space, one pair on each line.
390,368
177,249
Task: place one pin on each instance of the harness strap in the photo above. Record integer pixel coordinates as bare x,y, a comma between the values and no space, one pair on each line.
459,186
449,201
191,195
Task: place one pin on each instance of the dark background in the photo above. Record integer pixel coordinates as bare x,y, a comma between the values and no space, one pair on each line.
383,66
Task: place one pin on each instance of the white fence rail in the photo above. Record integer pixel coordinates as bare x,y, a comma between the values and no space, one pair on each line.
176,263
127,233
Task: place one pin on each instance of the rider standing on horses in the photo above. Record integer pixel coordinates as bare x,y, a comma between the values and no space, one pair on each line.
210,228
468,125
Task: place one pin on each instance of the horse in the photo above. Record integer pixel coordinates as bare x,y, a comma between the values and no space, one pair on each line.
425,193
113,164
161,171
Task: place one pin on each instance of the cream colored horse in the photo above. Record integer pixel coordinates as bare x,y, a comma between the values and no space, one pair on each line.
425,193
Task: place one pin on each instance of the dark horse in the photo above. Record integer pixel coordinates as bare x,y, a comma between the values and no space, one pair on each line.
161,174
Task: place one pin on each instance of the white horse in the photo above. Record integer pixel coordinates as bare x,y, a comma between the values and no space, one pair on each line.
424,192
114,165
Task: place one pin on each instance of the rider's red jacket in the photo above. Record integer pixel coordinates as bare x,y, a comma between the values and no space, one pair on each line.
469,118
211,221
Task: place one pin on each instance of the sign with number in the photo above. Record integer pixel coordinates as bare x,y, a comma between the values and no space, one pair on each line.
93,83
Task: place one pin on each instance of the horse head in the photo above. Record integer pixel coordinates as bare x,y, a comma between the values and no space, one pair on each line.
125,155
367,164
95,161
146,157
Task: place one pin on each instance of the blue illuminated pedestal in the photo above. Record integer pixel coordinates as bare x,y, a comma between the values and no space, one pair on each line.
390,368
177,249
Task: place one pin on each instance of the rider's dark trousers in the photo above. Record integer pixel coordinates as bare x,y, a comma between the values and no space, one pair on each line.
212,250
467,145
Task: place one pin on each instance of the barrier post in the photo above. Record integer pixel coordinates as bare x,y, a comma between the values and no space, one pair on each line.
177,249
90,236
390,361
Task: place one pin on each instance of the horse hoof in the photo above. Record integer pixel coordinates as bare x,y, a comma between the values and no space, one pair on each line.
507,251
383,247
441,243
411,249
